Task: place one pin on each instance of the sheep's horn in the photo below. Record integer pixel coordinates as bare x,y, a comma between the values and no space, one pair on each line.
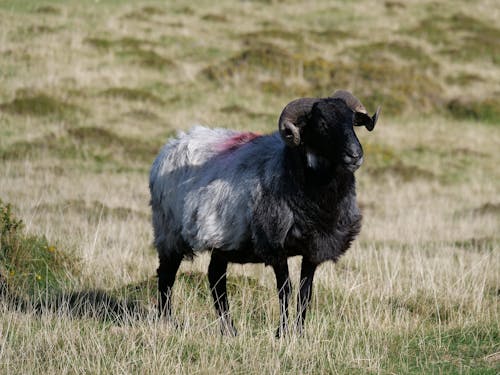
293,118
361,117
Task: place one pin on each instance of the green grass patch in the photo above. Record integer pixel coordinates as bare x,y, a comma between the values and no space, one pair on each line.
132,94
86,143
408,53
451,351
464,37
464,78
214,17
48,9
100,43
148,58
30,265
478,243
145,13
402,171
382,161
134,50
485,110
34,30
489,208
142,115
397,87
38,105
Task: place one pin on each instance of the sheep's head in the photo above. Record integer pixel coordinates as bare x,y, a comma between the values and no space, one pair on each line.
323,127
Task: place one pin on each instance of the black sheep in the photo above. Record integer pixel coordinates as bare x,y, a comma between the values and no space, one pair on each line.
261,198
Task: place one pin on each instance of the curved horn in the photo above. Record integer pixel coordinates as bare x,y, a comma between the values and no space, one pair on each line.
292,119
350,100
361,116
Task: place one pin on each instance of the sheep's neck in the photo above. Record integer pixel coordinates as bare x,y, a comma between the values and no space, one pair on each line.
318,177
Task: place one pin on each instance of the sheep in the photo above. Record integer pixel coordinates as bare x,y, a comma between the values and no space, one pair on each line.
252,198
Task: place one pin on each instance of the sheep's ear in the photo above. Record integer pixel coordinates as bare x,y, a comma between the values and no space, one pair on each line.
363,119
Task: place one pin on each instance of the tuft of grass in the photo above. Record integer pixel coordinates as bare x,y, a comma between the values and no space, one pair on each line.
263,56
406,173
36,30
244,112
408,53
331,35
100,138
214,17
29,264
137,51
489,208
131,94
464,78
464,37
148,58
38,105
99,43
48,9
486,110
87,143
379,155
474,243
298,41
143,115
455,351
145,13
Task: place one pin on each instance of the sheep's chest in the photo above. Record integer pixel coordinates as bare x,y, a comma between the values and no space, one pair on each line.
322,234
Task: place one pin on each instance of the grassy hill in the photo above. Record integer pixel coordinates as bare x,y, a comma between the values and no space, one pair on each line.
90,90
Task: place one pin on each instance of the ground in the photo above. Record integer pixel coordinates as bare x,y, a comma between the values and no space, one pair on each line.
92,89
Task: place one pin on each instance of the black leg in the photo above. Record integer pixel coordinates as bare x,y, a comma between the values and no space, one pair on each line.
166,277
284,290
217,279
305,294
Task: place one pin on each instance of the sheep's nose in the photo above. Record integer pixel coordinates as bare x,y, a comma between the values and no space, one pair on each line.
352,156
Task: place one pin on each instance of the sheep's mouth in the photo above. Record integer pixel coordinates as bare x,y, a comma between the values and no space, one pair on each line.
352,163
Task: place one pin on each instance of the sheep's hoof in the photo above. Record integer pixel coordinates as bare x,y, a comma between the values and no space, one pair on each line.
299,327
281,332
174,323
227,329
170,320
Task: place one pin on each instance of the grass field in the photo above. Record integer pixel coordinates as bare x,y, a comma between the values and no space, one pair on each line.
90,90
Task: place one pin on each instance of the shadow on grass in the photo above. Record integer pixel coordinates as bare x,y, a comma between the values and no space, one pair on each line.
100,305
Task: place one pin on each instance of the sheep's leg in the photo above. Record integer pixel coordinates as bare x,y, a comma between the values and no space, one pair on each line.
284,290
305,293
166,277
217,279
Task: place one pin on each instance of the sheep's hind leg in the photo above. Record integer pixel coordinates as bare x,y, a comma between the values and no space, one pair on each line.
284,290
166,277
217,279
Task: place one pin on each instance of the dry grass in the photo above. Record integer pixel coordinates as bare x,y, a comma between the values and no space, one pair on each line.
89,93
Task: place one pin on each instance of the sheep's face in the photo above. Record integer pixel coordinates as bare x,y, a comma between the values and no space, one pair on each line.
329,134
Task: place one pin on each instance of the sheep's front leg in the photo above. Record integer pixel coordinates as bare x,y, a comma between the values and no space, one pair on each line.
217,279
305,293
284,290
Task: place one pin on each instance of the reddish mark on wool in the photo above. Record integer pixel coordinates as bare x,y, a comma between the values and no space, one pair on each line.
237,141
